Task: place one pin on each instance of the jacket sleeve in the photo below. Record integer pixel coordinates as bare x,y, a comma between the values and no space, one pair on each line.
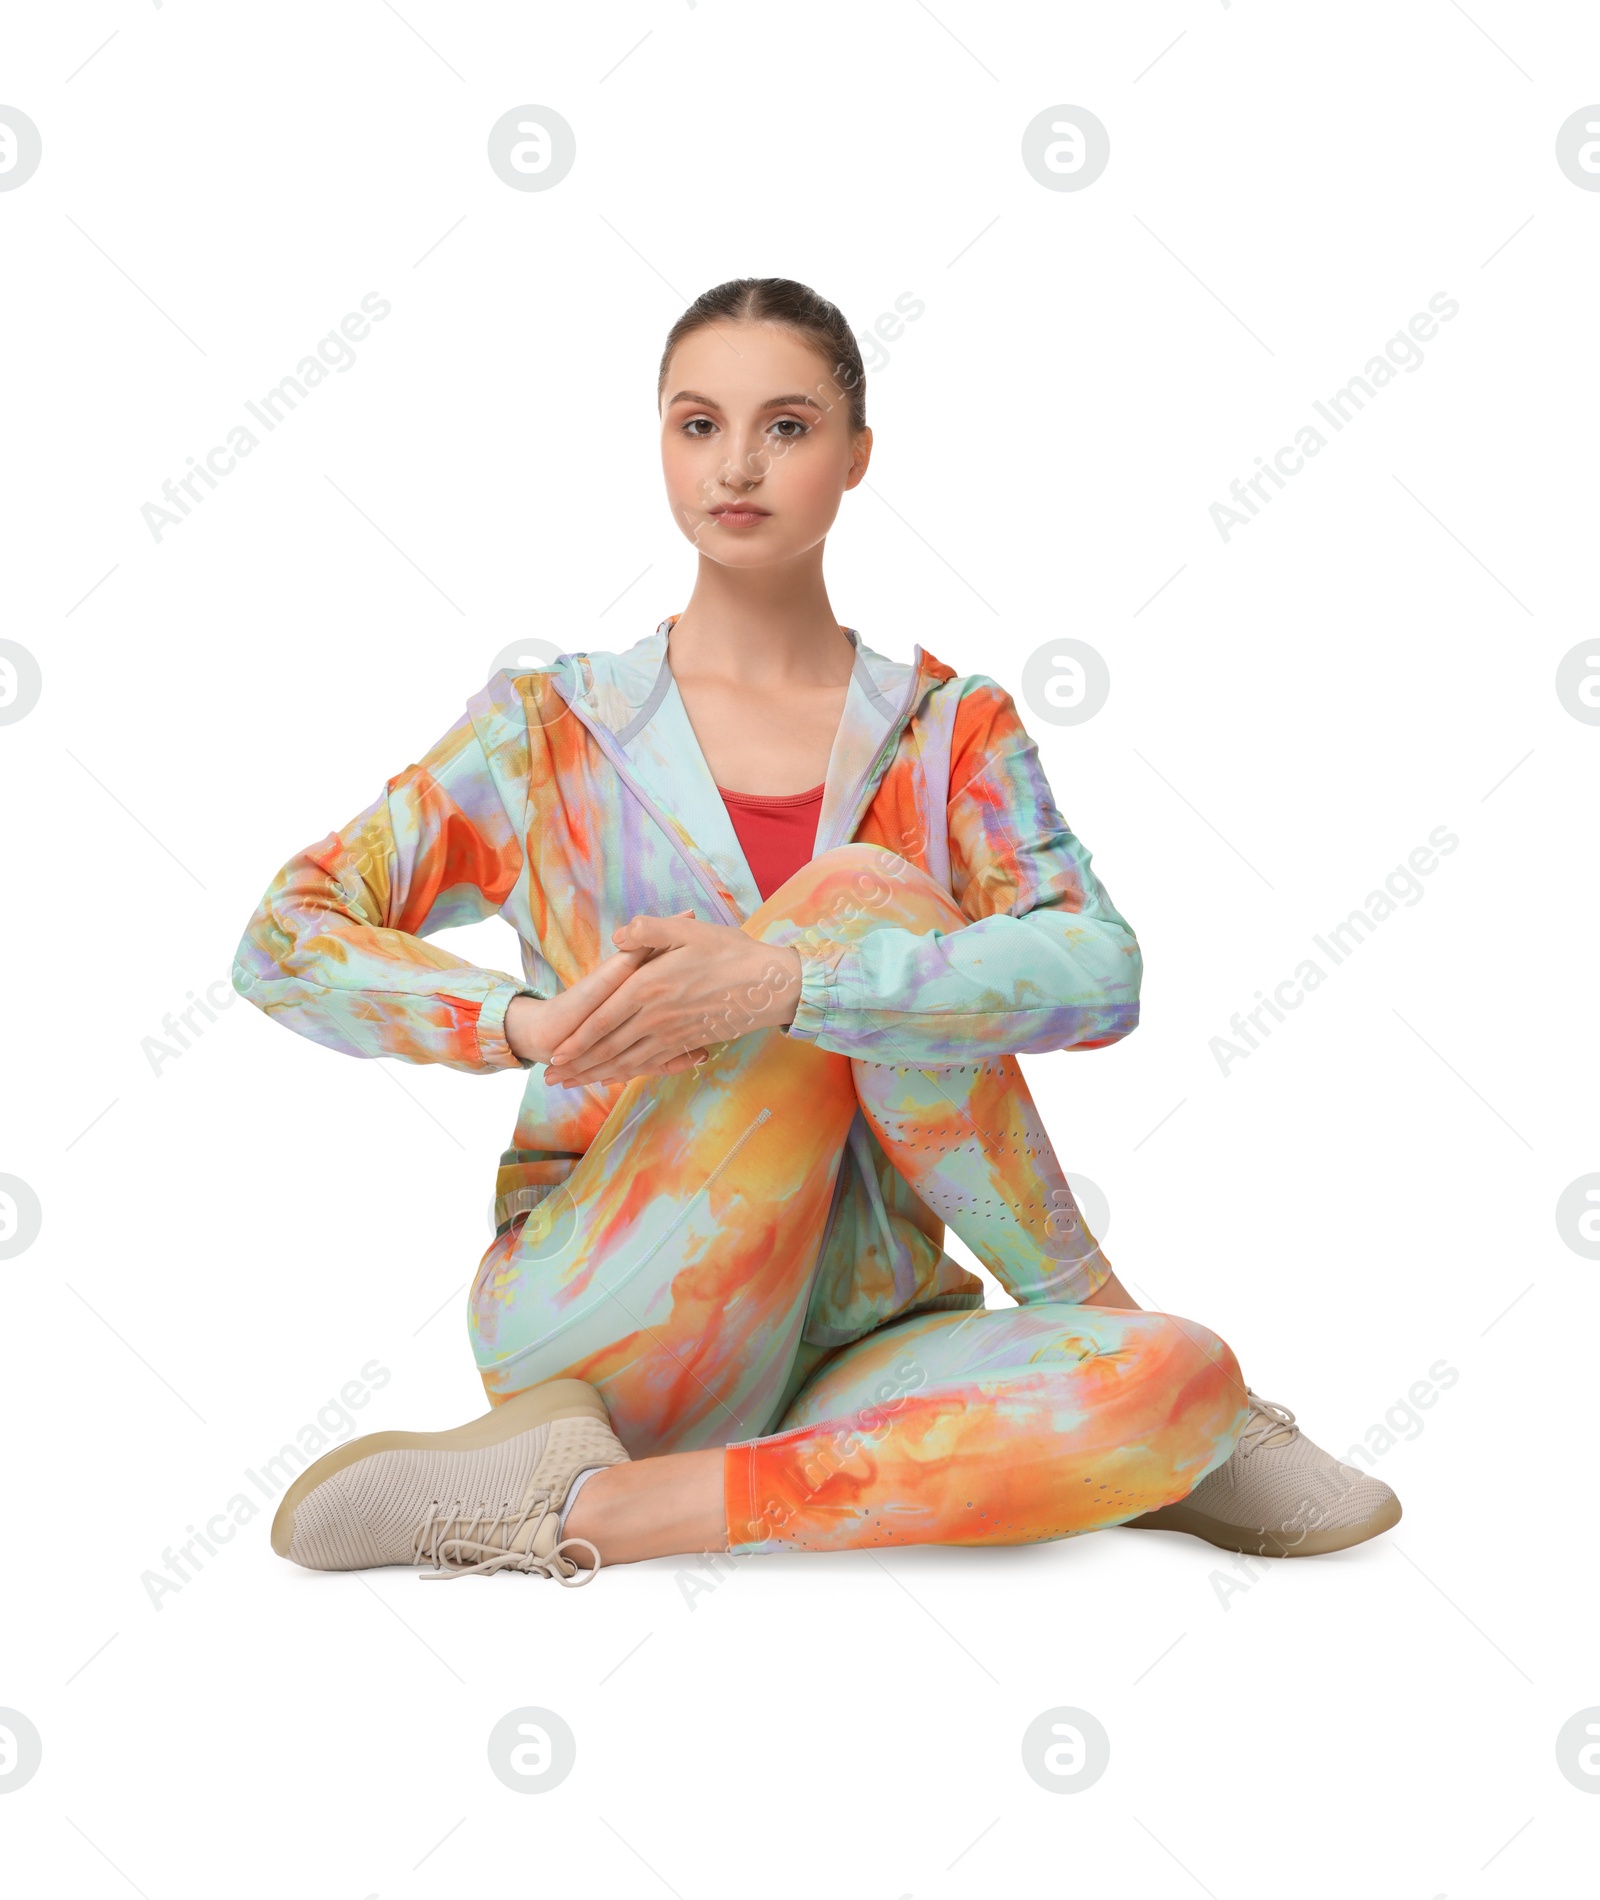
1046,962
336,950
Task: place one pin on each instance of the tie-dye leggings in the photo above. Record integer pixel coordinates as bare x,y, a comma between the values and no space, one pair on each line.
673,1270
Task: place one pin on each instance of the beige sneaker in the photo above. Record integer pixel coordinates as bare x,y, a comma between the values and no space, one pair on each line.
1279,1495
484,1497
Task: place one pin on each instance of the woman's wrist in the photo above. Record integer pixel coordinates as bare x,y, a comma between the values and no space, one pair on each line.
789,988
525,1029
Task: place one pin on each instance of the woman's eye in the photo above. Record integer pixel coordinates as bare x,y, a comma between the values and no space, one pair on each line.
795,423
689,428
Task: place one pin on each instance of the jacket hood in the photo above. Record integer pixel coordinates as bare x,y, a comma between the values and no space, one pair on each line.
631,702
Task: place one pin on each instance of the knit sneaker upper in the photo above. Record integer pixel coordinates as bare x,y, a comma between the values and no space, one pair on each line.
489,1508
1277,1480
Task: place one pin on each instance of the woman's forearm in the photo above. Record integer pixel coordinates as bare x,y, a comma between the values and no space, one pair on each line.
1053,979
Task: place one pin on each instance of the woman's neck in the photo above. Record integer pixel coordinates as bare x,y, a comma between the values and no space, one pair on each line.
766,628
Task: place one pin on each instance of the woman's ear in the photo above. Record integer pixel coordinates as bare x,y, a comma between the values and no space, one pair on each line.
860,456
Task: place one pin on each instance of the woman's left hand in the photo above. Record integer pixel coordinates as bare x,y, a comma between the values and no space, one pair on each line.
703,984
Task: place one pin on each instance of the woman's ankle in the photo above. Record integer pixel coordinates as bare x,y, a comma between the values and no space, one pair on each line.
1113,1293
651,1507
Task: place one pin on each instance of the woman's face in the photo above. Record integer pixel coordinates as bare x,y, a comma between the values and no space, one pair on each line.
755,443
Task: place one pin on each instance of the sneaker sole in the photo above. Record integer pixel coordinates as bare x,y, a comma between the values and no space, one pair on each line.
538,1405
1258,1543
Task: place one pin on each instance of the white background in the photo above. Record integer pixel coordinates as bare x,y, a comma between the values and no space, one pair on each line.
229,1241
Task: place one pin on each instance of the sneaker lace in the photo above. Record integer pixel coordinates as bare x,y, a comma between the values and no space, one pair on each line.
1267,1424
457,1545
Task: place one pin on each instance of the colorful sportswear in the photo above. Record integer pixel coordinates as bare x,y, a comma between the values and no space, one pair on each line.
712,1270
569,798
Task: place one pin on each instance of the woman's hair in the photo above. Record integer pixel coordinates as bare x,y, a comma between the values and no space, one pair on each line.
796,307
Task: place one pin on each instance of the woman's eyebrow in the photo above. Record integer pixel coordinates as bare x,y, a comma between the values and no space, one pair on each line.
772,402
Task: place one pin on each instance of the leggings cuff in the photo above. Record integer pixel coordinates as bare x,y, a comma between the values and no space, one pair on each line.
739,1498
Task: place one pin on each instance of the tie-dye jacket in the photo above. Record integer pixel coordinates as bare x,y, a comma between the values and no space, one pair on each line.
571,797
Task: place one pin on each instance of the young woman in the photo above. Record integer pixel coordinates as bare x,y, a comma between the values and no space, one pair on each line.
840,900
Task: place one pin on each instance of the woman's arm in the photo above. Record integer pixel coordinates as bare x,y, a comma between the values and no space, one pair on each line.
335,949
1047,962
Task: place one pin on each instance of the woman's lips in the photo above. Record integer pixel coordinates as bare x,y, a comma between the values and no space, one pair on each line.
738,517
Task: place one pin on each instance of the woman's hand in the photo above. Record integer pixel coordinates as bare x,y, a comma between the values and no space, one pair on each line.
698,984
535,1024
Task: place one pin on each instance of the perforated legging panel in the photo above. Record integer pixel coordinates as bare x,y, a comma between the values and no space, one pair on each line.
971,1142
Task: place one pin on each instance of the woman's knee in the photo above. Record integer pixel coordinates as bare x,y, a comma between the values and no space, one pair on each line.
854,888
1207,1404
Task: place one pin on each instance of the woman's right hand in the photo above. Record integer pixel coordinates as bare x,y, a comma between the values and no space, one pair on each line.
537,1026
